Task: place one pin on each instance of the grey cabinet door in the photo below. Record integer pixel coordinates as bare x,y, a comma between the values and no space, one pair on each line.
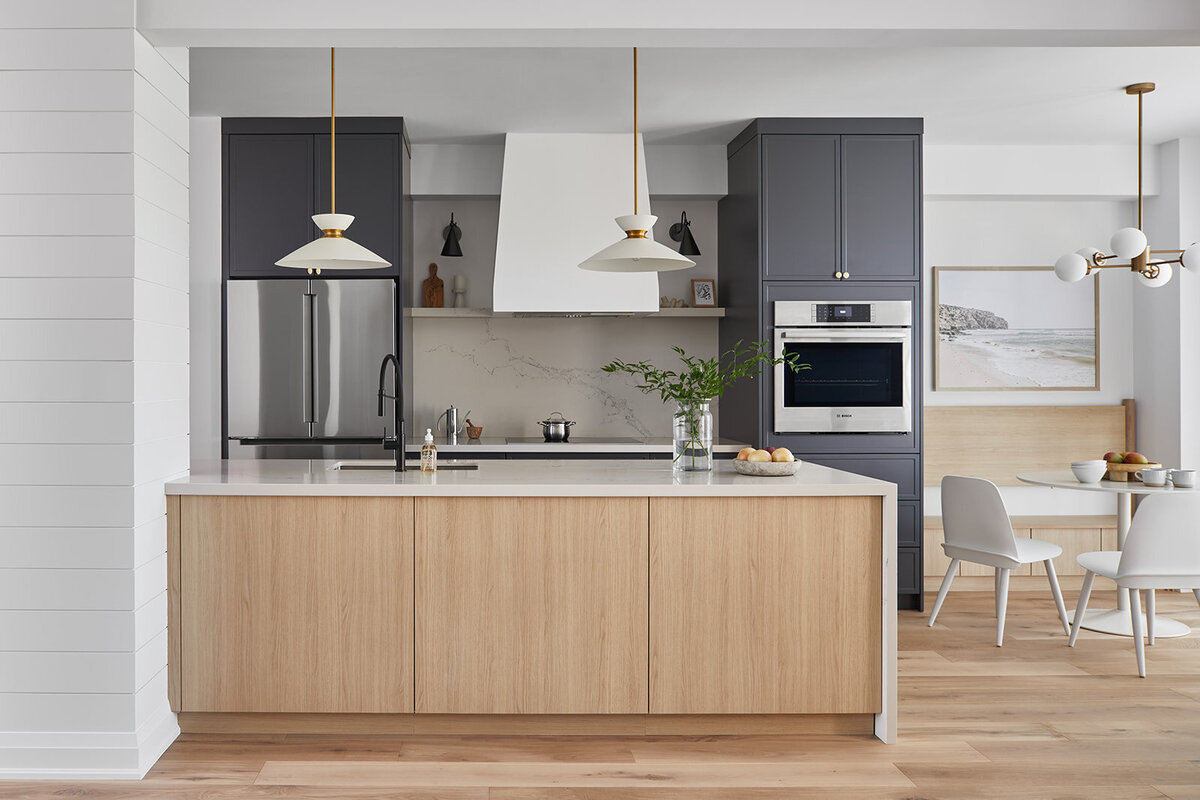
368,186
881,202
801,201
268,205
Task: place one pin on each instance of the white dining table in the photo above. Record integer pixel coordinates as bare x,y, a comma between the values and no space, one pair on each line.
1117,620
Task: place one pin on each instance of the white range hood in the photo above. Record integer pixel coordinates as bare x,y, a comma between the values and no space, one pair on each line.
558,199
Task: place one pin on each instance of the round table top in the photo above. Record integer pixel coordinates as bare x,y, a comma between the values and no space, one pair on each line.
1065,479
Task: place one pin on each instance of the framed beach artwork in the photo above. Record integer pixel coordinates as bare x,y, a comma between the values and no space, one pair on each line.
1014,329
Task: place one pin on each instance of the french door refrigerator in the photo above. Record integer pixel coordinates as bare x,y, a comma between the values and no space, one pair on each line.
302,367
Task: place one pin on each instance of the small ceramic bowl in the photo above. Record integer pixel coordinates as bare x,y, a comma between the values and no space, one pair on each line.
766,468
1089,471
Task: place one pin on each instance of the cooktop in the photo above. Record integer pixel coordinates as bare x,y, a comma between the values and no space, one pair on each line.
574,440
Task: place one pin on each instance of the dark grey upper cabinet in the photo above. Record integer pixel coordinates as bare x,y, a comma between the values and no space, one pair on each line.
268,201
364,162
801,200
881,193
276,176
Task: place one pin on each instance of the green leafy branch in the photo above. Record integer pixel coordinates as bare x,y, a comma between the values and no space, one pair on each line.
702,379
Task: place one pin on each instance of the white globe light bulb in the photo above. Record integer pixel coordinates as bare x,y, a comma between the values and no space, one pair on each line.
1088,252
1164,277
1128,243
1191,256
1071,267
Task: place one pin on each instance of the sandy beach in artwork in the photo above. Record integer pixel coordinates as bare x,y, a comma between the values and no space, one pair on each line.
1017,359
959,368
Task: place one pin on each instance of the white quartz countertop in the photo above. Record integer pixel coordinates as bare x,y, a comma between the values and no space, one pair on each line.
499,444
504,478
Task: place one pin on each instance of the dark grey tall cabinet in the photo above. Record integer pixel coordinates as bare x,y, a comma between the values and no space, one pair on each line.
826,209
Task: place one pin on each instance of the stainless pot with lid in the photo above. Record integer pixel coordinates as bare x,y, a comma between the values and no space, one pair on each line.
556,427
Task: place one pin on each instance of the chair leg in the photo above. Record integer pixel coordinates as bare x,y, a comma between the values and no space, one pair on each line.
1001,605
1139,647
996,591
1085,593
1197,593
1058,599
945,587
1149,594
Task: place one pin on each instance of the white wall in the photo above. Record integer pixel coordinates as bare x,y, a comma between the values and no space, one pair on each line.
205,287
1033,232
93,388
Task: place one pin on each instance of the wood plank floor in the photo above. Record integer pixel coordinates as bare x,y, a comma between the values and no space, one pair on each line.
1033,719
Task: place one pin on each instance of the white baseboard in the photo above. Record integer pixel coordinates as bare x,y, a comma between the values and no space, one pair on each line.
86,756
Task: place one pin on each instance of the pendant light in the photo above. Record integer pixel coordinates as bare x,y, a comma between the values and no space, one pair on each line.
333,250
1129,243
636,252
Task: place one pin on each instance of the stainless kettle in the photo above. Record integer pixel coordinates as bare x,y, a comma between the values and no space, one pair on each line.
450,417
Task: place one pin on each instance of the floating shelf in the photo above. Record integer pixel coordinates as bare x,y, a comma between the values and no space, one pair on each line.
456,313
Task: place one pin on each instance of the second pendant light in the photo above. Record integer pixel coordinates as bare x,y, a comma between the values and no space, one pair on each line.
637,252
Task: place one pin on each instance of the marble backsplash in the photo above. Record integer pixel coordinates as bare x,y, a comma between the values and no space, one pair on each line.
511,372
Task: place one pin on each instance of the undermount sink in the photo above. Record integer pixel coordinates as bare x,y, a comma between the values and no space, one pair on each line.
387,464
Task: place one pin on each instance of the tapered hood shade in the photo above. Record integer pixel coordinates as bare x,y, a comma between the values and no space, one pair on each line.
333,250
636,253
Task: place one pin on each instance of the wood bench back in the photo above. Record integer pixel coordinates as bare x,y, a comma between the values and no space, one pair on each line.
997,442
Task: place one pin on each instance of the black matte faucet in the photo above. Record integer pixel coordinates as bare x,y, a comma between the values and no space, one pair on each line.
396,443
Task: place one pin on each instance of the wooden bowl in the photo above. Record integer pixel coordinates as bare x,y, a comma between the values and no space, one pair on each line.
766,469
1123,473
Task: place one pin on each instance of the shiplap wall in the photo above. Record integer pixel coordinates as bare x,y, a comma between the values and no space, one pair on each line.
93,384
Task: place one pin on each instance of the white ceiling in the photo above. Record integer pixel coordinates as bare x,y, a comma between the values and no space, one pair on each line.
980,95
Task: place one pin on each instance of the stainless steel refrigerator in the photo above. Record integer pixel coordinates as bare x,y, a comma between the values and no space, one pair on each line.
302,367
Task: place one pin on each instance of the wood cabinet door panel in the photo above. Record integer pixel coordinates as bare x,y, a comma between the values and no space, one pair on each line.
531,605
296,604
765,605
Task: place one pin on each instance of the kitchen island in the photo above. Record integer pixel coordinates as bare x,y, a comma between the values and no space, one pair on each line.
557,596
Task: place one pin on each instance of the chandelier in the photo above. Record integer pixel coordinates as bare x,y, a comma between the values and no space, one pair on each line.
1129,243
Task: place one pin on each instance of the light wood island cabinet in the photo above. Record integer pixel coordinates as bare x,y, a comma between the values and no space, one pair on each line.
426,605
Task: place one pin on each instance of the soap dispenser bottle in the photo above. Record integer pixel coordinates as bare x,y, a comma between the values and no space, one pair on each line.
429,453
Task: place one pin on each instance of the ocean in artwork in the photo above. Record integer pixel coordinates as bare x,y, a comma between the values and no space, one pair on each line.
1025,358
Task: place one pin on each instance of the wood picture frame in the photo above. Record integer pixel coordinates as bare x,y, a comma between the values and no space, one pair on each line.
704,293
976,350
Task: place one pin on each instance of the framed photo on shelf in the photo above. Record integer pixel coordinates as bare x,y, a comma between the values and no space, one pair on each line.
704,293
1014,329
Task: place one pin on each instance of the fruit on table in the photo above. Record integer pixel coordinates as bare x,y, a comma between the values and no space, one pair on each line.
744,453
1135,458
782,454
769,449
759,455
1113,457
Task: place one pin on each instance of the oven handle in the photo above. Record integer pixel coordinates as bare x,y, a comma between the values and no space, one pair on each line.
840,334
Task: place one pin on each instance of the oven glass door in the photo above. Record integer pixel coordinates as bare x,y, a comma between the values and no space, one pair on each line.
857,380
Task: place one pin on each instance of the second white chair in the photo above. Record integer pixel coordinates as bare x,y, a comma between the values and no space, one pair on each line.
1162,551
978,530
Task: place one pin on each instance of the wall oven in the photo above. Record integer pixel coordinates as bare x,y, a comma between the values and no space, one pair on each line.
860,376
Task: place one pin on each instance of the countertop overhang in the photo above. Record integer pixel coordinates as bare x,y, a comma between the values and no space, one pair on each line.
539,478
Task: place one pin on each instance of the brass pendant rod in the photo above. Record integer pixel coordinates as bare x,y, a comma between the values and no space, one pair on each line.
1139,154
333,132
635,130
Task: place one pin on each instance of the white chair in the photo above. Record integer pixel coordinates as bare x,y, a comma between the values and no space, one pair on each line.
1162,551
978,530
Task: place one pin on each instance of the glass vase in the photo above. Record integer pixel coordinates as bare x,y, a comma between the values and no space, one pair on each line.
692,433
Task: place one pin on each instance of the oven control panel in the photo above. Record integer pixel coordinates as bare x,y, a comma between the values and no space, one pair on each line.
850,313
843,312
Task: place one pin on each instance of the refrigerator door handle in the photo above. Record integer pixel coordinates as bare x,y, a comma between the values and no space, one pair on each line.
308,358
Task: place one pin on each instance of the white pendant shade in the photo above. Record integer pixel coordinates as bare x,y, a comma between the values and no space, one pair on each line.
1162,279
637,253
332,251
1071,267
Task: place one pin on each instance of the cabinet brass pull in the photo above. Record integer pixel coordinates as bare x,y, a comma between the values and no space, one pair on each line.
845,275
837,275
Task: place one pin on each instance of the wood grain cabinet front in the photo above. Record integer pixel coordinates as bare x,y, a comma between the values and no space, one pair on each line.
295,604
531,605
765,605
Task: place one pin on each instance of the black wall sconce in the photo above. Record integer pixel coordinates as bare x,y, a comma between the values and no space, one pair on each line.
682,232
452,234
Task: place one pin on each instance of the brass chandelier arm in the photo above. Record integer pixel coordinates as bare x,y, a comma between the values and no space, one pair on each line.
635,132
